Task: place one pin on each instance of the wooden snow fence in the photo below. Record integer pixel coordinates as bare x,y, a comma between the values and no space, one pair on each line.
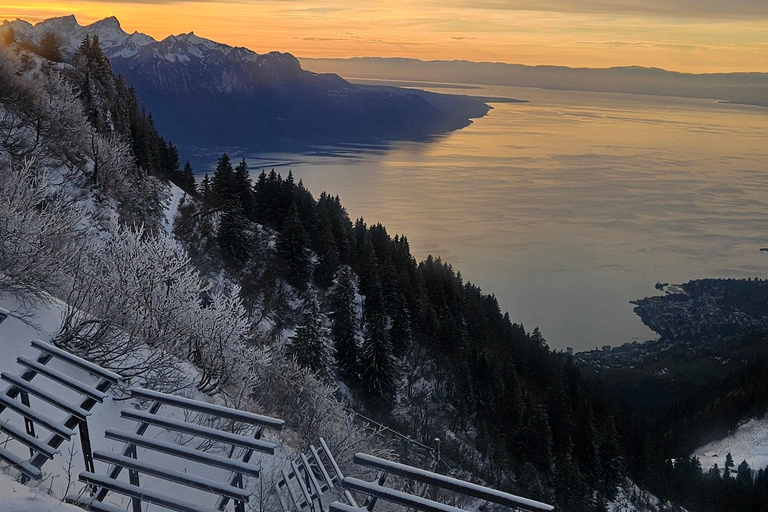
237,463
376,490
43,447
310,481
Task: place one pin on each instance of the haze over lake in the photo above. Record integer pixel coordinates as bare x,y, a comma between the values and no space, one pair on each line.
569,206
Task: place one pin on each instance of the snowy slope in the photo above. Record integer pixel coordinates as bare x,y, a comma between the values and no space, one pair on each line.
60,474
15,497
748,442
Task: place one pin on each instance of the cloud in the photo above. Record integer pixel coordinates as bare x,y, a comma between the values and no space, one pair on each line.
658,8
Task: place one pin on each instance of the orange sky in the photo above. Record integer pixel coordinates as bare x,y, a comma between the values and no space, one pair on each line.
684,35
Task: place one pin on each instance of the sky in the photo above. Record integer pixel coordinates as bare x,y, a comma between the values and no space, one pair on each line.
684,35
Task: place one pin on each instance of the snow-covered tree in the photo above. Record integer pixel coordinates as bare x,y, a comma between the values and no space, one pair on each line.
37,229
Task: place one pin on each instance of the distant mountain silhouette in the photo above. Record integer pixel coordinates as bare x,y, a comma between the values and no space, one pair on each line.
747,88
206,93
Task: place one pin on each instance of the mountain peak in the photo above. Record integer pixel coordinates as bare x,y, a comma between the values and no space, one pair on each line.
60,23
109,22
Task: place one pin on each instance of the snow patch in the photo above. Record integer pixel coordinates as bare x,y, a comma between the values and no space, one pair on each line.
748,442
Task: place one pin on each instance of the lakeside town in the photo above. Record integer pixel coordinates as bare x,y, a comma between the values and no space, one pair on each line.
696,319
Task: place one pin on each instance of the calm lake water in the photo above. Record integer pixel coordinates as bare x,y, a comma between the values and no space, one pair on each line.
568,207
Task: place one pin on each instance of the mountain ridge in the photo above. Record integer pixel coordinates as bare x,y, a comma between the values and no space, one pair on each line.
246,98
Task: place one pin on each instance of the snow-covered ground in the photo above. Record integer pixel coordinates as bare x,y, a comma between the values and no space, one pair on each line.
15,497
748,442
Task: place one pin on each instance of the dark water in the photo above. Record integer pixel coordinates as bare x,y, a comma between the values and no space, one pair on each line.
571,205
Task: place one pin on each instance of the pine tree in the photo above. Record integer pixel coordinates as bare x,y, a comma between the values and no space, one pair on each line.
223,182
377,366
307,344
328,255
243,190
400,332
344,322
50,47
205,187
185,179
292,247
232,238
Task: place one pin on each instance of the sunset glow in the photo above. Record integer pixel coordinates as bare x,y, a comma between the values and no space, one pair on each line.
701,36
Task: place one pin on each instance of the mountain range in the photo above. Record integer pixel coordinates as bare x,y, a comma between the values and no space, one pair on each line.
206,93
745,88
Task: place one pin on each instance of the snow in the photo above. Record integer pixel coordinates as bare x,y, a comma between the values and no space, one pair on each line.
748,442
172,208
15,497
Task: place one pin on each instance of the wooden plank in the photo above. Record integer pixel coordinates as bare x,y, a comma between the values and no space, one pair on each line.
140,493
292,493
28,440
39,419
312,480
320,464
64,380
45,396
331,459
213,410
401,498
20,464
178,477
92,504
201,431
76,361
337,506
183,452
452,484
302,486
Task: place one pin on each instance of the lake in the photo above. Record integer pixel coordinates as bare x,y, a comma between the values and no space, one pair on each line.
569,206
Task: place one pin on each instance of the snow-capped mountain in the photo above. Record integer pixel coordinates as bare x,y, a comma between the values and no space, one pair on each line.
207,93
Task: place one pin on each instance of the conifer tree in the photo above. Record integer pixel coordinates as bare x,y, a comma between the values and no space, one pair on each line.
185,179
307,344
205,187
400,331
377,366
344,322
292,247
243,189
223,181
232,237
50,47
328,255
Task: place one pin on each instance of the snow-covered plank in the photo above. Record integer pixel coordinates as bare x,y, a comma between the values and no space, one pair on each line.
79,362
64,380
45,395
186,479
201,431
182,452
89,503
37,418
320,464
20,464
291,492
214,410
312,480
335,466
302,486
337,506
146,495
451,484
401,498
337,470
27,440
